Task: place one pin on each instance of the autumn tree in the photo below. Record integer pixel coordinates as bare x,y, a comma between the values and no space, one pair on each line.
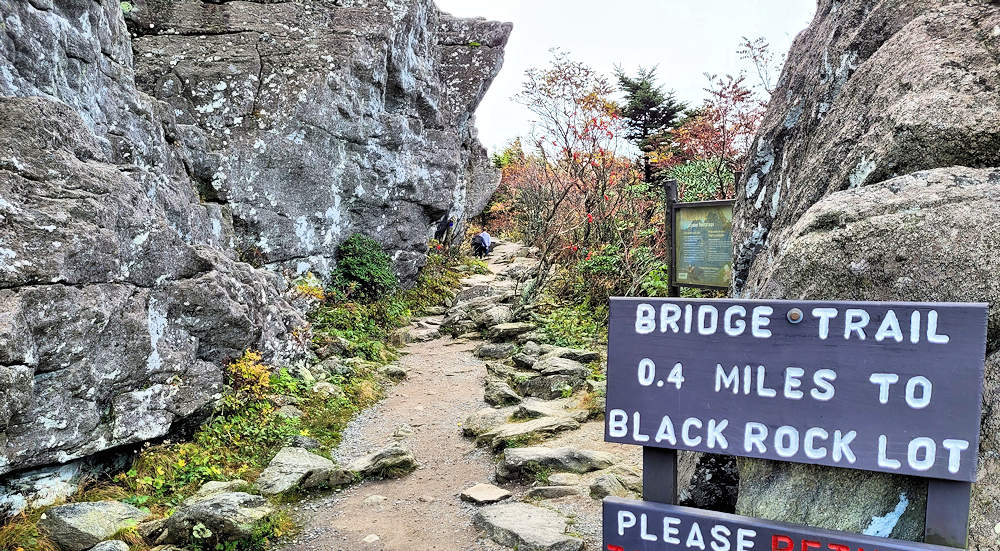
573,191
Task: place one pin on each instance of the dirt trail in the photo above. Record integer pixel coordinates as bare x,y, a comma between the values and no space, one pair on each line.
422,511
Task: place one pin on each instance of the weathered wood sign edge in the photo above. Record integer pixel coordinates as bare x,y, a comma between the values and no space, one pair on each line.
679,331
632,525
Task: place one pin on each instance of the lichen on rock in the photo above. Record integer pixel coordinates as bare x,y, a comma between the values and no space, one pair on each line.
157,175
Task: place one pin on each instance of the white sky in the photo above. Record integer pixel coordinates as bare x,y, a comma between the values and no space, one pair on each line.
684,38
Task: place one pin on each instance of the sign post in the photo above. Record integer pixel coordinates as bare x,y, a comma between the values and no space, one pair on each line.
890,387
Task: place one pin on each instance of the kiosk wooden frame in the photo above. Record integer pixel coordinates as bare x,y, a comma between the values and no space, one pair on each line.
672,206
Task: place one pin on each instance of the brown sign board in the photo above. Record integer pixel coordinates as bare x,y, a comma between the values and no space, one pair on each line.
888,386
631,525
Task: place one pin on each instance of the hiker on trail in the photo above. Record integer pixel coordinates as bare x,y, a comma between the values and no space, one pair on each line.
443,232
481,245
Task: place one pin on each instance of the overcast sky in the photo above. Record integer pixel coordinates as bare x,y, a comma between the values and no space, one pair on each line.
684,38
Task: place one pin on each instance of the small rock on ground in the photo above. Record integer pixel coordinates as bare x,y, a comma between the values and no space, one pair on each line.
607,485
215,487
564,479
484,494
551,492
498,393
523,462
229,517
297,467
391,462
526,527
528,431
495,351
393,371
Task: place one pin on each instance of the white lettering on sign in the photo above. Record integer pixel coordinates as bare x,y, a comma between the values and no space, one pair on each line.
787,358
734,326
672,529
856,325
921,453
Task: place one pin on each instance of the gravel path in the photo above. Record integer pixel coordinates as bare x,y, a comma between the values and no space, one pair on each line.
422,511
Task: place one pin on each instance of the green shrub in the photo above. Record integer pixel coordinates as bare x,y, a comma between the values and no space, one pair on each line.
363,271
657,282
576,325
701,179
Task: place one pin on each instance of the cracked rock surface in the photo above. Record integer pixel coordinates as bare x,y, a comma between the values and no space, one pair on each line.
155,183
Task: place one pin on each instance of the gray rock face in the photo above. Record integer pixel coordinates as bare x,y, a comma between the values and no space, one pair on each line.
119,299
869,92
903,243
900,249
871,180
365,109
149,312
79,526
526,527
136,173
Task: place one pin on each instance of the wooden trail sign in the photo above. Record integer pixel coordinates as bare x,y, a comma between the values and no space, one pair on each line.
892,387
631,525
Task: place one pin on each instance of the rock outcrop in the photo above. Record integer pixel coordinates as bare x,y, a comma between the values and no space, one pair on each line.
321,119
870,91
119,298
155,184
874,178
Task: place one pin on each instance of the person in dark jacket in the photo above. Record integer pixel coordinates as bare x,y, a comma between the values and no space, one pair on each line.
481,245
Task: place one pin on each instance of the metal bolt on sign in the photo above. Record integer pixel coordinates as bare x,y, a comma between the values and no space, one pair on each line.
794,315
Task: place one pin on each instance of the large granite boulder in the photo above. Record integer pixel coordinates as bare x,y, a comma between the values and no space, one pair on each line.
363,109
926,236
117,306
146,177
871,180
870,91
